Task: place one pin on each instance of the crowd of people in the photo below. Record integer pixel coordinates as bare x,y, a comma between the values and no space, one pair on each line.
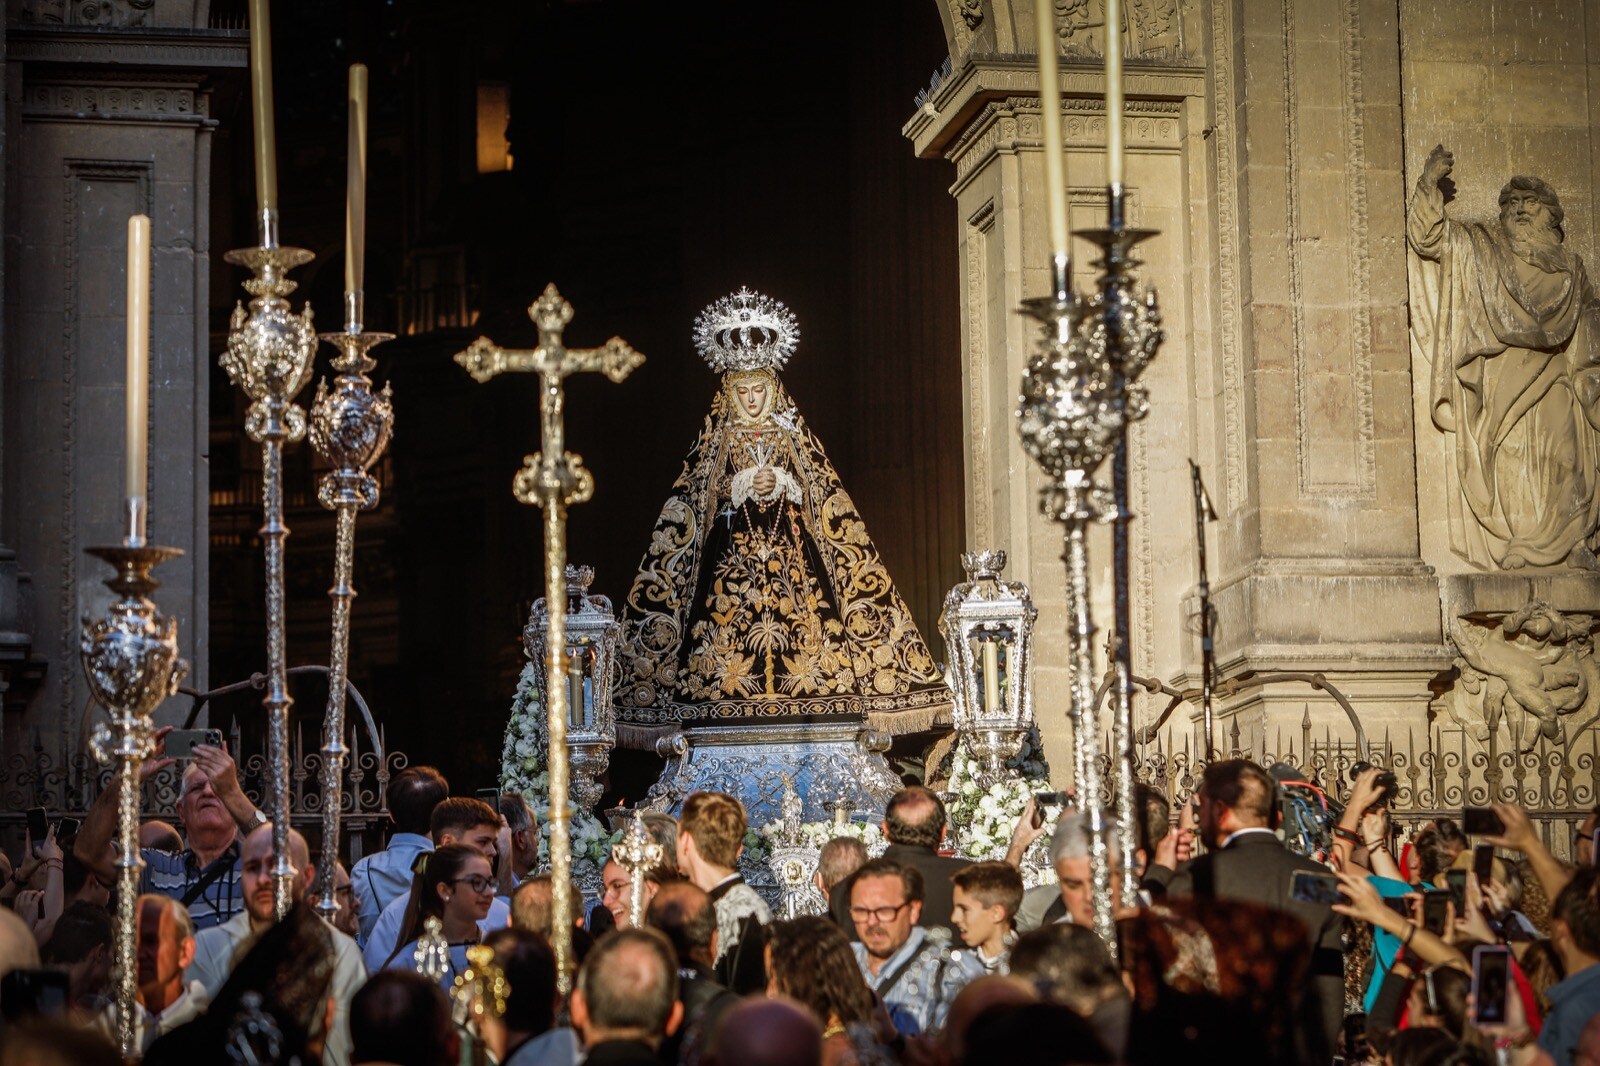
1424,953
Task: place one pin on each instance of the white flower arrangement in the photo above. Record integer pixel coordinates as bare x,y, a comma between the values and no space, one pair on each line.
816,834
523,770
981,819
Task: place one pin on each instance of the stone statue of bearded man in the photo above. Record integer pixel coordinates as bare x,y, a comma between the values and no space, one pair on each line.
1506,317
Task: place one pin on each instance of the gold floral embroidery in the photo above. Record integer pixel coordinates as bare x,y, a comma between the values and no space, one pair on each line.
771,637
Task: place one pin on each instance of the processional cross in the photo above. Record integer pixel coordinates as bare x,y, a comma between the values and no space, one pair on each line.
554,478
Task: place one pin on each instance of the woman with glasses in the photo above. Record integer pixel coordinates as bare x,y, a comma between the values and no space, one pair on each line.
455,885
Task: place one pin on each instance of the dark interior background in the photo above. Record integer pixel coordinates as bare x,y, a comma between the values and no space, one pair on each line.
663,156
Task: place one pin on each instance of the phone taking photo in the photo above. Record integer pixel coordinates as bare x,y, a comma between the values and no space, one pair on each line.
1483,863
1457,880
1481,821
38,825
1307,887
180,743
1491,983
1041,800
1435,909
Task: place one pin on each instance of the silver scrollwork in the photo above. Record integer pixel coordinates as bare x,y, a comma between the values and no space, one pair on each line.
130,659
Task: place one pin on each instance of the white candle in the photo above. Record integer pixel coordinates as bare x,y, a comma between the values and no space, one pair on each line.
991,678
576,684
1114,92
1055,168
138,368
261,105
355,210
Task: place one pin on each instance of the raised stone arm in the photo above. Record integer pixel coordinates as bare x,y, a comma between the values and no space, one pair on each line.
1425,220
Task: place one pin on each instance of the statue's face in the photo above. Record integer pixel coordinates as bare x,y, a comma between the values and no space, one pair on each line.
1526,216
752,393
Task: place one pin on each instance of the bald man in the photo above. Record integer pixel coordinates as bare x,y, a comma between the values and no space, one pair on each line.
766,1032
18,949
626,1001
216,949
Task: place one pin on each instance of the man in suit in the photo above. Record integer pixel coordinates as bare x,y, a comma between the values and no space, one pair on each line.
1237,818
915,824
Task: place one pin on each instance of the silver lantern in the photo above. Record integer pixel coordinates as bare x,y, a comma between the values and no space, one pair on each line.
987,624
591,657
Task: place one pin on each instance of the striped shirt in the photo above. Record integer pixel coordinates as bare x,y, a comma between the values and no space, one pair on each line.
176,874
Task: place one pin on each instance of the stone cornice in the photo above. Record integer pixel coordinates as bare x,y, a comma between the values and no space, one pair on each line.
167,101
984,78
129,47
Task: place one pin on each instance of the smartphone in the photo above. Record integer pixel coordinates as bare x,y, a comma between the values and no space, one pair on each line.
1401,905
1307,887
29,992
1594,848
38,825
1483,863
1457,880
1481,821
1435,1001
181,742
1435,908
1041,800
67,831
491,796
1491,983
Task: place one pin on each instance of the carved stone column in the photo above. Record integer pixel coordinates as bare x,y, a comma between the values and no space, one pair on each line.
1264,144
107,116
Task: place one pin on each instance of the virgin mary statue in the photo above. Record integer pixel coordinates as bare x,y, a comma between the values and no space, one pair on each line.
761,596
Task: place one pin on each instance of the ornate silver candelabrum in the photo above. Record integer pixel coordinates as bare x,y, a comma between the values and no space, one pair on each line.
592,635
987,626
269,356
130,658
350,426
1078,397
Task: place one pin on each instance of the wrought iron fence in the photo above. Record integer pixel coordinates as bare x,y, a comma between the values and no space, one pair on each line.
67,785
1439,770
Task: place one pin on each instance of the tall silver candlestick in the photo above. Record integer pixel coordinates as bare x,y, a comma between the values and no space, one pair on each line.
269,357
1131,332
1078,397
130,658
350,427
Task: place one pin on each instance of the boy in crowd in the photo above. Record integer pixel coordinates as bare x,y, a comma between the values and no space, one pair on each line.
984,911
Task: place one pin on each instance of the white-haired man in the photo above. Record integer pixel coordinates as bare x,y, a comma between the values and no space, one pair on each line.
204,876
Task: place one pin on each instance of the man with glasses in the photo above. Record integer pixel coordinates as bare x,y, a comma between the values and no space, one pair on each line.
912,969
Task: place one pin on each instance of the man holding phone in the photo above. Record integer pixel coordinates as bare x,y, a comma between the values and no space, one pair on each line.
204,876
1575,935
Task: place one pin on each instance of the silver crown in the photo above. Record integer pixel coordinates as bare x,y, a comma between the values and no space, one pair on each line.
746,331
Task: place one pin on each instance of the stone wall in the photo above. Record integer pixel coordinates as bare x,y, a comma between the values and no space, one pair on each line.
107,115
1274,143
